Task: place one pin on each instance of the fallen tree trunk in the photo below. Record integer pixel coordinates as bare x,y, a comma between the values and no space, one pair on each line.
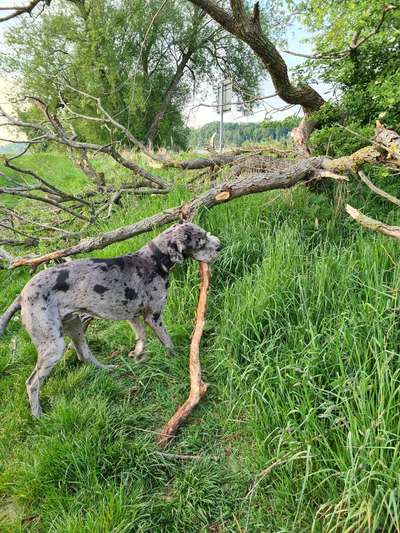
312,168
219,160
204,162
197,386
225,192
304,170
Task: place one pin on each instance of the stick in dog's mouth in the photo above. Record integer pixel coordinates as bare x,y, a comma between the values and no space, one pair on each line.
197,386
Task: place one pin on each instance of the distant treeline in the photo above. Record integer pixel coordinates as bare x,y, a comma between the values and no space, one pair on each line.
238,133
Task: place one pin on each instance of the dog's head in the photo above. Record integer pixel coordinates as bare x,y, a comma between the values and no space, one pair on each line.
188,240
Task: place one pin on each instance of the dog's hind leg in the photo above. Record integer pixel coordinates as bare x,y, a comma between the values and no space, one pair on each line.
154,320
73,327
138,328
49,354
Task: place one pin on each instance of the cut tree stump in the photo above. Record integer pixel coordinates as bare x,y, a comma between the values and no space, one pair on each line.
197,386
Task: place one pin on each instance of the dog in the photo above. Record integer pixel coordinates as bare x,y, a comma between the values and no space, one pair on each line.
129,287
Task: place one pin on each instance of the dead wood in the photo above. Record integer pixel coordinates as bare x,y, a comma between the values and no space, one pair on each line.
302,170
197,386
228,158
227,191
377,190
54,131
390,140
276,177
373,224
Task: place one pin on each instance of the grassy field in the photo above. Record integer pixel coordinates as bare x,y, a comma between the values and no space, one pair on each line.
299,430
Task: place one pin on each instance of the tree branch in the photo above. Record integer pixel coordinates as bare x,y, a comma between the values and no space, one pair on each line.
231,189
59,135
373,224
234,187
248,29
355,43
197,386
20,10
377,190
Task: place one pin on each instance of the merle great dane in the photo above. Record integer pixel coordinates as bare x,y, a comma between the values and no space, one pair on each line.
122,288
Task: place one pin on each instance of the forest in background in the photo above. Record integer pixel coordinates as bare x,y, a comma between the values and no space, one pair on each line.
238,133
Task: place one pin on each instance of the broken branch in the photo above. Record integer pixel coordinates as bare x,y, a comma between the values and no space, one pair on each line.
373,224
197,386
377,190
231,189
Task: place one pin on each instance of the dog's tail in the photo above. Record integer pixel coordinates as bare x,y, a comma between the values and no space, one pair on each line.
5,319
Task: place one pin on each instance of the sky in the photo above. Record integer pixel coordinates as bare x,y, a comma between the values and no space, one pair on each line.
196,115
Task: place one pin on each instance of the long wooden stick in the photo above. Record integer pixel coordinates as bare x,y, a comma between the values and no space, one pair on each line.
197,386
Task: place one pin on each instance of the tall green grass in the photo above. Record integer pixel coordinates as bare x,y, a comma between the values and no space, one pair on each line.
299,430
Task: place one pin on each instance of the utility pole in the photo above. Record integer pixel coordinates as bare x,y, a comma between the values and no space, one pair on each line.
221,117
224,103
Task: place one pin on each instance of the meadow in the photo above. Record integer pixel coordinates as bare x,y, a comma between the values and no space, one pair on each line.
299,430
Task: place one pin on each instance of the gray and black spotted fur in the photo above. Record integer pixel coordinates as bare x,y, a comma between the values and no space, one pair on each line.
123,288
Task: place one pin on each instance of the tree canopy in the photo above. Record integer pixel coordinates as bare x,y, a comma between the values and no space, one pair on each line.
357,51
138,56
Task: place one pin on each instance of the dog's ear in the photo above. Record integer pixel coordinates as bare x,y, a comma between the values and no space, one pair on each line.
175,249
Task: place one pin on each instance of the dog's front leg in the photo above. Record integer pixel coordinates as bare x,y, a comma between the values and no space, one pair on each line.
138,328
154,320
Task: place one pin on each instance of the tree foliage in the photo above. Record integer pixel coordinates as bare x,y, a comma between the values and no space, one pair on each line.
128,54
239,133
357,51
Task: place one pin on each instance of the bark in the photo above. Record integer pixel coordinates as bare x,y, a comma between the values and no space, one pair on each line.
301,134
390,140
197,386
180,70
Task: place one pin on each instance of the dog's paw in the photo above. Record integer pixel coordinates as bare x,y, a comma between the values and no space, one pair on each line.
138,352
138,357
110,367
